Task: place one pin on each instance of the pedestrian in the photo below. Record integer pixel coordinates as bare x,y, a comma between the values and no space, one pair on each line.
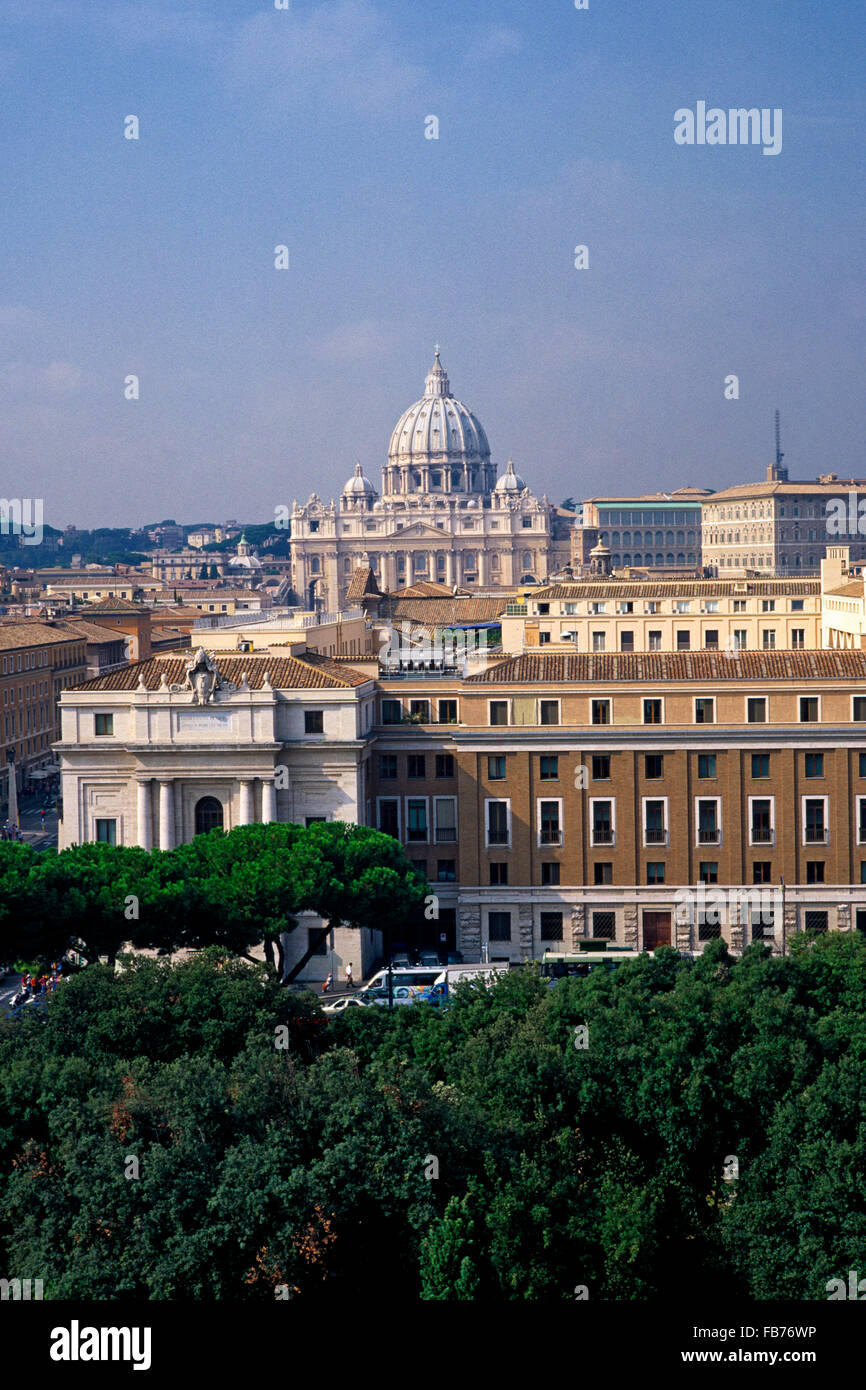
327,985
350,984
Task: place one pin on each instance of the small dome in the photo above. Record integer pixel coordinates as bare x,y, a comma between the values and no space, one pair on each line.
510,481
358,485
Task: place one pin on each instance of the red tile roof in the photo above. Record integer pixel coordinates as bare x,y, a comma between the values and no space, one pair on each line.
310,672
657,667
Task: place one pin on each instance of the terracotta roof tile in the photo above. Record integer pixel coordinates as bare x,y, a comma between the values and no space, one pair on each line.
658,667
312,672
680,588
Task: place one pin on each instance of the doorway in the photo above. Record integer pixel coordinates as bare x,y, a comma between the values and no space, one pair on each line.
656,930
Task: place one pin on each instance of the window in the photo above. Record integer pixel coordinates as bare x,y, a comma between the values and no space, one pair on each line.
446,870
550,926
317,941
447,711
814,871
498,712
739,605
549,873
709,926
815,920
550,822
602,821
761,820
814,764
653,766
416,765
768,639
684,640
548,711
655,873
860,803
740,639
499,926
707,818
601,767
709,871
626,606
416,818
392,712
756,709
106,832
815,820
419,710
760,764
598,641
862,765
654,822
860,919
655,641
445,817
808,709
104,724
549,768
711,639
387,766
797,605
498,873
798,639
420,866
652,711
496,767
706,765
498,823
601,711
602,873
444,765
604,926
626,641
705,709
761,871
858,710
768,605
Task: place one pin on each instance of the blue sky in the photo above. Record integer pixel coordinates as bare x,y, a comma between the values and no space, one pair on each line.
306,127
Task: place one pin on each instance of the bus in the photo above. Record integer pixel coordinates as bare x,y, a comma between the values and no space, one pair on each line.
419,975
556,966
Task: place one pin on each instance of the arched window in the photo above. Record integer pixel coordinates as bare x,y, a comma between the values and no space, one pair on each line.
626,537
669,559
638,559
660,540
208,815
527,560
626,559
660,559
681,538
669,538
614,538
681,559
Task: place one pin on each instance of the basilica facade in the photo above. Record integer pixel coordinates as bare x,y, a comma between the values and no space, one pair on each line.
442,516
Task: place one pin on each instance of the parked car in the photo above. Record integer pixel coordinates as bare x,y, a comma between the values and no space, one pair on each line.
454,958
403,960
428,958
347,1001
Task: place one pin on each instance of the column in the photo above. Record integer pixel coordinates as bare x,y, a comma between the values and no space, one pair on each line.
145,838
166,815
449,567
269,800
482,566
246,808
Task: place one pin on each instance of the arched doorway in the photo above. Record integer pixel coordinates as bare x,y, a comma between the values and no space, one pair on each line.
208,815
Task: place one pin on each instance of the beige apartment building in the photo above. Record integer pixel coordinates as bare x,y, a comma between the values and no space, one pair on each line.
782,528
614,615
557,798
38,661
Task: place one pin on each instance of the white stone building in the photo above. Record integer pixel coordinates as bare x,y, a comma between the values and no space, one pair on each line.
442,515
164,749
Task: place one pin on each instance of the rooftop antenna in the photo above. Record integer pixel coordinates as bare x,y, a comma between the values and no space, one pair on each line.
779,454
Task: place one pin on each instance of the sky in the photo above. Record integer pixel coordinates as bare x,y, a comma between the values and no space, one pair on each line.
305,127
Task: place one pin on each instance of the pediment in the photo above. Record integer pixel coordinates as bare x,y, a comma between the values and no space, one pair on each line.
420,530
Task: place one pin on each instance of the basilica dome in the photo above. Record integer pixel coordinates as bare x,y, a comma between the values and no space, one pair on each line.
438,428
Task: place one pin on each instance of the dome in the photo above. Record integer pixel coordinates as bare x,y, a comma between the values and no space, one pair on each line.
438,428
358,485
510,481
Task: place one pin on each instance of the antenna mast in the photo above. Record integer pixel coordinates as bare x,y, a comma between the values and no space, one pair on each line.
779,454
